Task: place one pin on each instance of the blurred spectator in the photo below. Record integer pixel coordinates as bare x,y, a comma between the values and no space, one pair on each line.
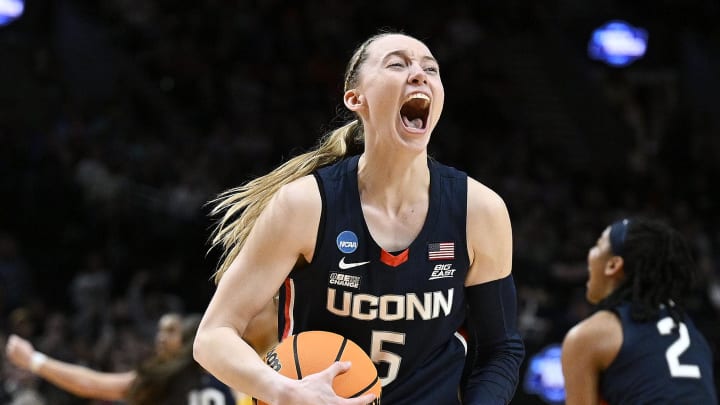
16,284
90,290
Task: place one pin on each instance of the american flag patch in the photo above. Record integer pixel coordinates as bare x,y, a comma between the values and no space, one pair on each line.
441,251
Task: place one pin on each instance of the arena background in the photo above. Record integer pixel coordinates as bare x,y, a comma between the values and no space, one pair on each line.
120,119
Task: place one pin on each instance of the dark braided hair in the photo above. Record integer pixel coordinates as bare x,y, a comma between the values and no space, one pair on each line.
154,376
659,270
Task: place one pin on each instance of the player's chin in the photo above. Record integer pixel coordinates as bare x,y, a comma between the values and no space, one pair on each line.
414,140
590,296
594,300
162,352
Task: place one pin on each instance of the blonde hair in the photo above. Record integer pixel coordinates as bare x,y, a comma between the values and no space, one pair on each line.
240,207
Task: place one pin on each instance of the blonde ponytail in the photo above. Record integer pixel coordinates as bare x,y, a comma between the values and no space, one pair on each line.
240,207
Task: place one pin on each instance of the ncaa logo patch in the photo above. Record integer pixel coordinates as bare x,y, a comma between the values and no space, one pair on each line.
347,241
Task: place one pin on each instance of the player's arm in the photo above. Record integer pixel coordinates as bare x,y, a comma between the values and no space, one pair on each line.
496,350
262,331
78,380
284,234
588,349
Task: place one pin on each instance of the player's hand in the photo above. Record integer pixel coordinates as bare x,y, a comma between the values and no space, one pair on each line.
19,351
317,389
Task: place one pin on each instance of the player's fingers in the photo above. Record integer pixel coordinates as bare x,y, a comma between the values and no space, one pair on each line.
366,399
16,343
13,344
339,367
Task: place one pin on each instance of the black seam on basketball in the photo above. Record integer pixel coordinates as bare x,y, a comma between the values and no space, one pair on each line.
364,390
341,350
297,360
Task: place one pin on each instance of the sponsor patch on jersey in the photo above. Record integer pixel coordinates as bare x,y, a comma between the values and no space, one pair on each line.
343,265
347,241
344,280
444,270
441,251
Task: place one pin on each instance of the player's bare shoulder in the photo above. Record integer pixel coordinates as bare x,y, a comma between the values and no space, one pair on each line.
599,335
301,194
487,214
489,234
597,326
484,201
295,212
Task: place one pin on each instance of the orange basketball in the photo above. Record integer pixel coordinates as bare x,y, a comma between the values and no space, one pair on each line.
313,351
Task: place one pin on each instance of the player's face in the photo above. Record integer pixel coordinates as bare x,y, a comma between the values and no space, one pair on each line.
403,96
168,340
599,285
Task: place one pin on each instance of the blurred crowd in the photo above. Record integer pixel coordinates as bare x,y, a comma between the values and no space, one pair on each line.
120,121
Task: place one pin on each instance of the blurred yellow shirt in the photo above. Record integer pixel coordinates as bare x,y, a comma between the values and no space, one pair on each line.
243,399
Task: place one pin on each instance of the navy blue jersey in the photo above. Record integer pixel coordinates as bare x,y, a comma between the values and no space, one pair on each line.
195,386
659,363
403,308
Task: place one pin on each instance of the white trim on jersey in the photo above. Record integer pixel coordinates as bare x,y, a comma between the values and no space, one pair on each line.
462,340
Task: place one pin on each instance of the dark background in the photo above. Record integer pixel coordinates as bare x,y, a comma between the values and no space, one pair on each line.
120,119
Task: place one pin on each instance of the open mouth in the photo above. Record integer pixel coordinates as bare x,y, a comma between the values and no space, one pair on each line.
414,112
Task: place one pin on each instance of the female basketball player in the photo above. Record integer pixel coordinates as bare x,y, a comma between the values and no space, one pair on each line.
169,377
640,347
368,237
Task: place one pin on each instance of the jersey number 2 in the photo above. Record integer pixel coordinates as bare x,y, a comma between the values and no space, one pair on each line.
676,349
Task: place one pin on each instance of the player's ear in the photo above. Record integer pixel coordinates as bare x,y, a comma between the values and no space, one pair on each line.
353,100
615,266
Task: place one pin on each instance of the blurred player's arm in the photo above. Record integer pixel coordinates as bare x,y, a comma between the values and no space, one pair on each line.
78,380
587,350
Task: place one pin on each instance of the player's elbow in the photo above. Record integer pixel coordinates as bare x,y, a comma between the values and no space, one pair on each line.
200,348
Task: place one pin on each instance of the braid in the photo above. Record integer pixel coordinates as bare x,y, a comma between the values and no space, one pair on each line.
659,270
352,70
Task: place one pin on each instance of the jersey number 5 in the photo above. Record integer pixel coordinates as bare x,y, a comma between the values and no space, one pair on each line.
676,349
378,355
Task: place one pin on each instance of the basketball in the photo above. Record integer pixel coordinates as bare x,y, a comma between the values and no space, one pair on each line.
313,351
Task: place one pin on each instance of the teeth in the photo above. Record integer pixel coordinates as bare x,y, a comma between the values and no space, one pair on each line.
420,96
